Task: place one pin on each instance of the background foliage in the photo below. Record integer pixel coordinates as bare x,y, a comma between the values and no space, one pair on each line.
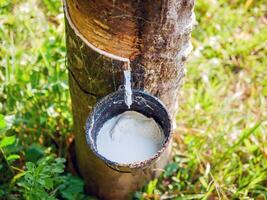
221,139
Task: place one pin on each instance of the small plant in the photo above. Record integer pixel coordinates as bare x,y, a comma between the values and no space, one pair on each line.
45,181
41,180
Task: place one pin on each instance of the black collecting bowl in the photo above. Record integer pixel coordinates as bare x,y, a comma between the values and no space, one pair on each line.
114,104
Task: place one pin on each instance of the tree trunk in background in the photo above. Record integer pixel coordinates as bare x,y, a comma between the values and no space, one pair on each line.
101,35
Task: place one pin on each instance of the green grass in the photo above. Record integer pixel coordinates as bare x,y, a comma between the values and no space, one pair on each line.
221,137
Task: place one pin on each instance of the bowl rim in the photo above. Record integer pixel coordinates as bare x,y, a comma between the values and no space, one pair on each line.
124,167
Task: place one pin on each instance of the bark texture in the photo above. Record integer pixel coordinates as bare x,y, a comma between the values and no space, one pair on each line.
101,35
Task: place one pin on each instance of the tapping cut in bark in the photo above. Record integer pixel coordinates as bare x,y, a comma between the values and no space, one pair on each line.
101,36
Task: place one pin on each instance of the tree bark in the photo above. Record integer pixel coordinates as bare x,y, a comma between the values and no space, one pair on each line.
101,36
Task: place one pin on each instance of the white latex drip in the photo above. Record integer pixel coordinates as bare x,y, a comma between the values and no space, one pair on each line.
129,137
128,86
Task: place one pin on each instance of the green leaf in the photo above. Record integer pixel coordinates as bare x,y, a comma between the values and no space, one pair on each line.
30,166
13,157
2,123
171,169
72,187
152,186
48,183
16,177
6,141
188,197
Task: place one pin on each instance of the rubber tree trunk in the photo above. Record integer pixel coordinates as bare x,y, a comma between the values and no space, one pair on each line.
101,36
